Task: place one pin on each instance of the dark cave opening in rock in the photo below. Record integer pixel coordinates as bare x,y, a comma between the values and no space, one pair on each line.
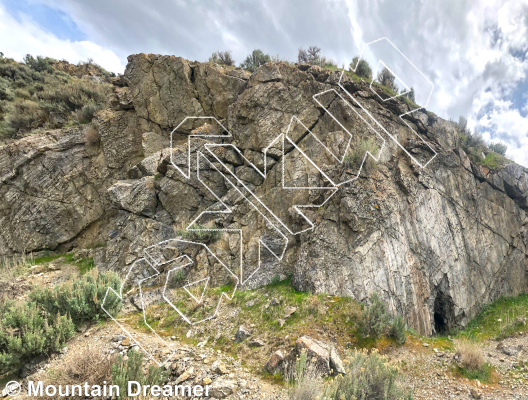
441,324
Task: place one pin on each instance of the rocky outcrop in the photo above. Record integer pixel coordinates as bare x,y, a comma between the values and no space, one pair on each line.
436,243
49,190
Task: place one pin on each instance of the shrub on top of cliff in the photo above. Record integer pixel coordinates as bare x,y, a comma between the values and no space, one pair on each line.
410,95
375,319
82,298
313,56
368,377
39,64
363,68
387,79
27,331
222,58
255,60
498,147
32,96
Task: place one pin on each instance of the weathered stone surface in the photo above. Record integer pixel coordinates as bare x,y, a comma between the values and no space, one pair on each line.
186,375
49,190
242,334
512,350
219,367
435,243
153,142
222,388
275,362
137,196
317,355
121,138
256,343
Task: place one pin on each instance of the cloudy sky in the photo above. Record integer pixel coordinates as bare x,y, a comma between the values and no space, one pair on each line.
475,52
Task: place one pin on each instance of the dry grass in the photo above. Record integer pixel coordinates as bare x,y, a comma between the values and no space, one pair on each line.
12,267
89,365
304,380
91,136
470,355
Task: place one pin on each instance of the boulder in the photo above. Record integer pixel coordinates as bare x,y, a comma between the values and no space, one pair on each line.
242,334
137,196
275,362
186,375
511,350
322,356
219,367
256,343
222,388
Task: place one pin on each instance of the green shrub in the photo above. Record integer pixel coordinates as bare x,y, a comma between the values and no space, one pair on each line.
39,64
363,146
276,279
368,377
5,92
255,60
222,58
82,298
38,96
398,329
27,331
362,69
86,113
178,278
483,374
375,319
410,95
26,115
304,382
387,79
132,370
498,147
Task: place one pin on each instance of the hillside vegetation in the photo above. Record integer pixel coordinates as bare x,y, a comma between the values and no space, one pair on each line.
43,93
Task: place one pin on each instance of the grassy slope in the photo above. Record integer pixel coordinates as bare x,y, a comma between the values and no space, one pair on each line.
46,97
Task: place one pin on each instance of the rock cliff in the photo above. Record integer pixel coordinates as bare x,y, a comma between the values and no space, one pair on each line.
437,243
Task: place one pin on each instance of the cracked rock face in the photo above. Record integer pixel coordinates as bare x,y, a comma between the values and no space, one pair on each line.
436,243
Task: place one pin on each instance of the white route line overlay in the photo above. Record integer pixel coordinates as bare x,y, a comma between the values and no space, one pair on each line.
281,137
402,115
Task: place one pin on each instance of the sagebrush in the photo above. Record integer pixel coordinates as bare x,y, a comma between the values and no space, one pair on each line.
368,377
81,299
303,380
35,95
375,319
131,369
27,332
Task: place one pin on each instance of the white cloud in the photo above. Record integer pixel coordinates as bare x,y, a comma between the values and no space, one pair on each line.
18,38
470,49
512,128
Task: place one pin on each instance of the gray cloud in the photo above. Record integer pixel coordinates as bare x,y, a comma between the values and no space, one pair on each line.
195,29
